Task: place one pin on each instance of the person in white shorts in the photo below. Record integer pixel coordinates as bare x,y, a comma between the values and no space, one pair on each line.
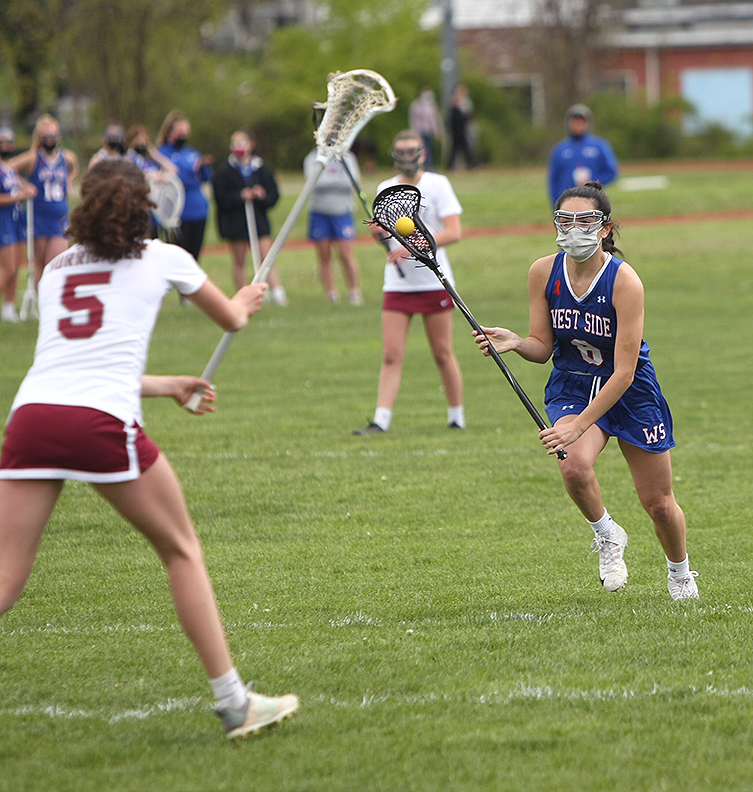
77,414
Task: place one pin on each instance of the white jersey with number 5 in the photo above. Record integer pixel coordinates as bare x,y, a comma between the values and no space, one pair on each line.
96,320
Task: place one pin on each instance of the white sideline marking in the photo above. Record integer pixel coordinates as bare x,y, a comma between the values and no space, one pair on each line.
140,713
494,698
636,183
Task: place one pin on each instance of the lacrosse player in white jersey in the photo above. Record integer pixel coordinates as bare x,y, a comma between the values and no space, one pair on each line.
77,414
410,288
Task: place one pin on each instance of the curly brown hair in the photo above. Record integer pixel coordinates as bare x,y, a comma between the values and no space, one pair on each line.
112,219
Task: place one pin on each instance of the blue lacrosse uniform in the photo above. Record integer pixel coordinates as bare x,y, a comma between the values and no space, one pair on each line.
195,206
50,177
574,161
585,329
11,230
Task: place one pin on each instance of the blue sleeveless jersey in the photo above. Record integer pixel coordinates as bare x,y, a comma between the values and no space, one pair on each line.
585,329
51,201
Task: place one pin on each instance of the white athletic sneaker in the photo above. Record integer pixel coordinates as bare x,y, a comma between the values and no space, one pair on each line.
611,549
259,711
683,587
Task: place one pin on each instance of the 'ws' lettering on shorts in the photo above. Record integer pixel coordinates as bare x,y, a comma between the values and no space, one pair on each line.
641,417
322,226
52,441
418,302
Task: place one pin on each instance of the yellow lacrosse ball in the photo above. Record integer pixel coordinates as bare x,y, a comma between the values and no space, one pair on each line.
404,226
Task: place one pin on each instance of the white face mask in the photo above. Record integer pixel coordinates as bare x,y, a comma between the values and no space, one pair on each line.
579,243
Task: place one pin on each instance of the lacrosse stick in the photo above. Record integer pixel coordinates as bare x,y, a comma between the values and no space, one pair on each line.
168,196
362,198
29,305
404,200
253,235
353,99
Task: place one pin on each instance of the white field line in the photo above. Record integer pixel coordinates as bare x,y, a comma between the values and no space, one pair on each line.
368,700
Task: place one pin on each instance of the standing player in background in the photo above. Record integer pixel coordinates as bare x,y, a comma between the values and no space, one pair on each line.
113,144
423,117
581,157
417,290
331,224
244,177
155,166
193,170
13,194
51,169
77,414
586,313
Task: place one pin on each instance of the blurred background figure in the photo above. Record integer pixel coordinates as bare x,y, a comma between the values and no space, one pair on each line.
423,118
244,179
155,166
13,194
331,224
113,145
459,123
193,170
51,169
581,157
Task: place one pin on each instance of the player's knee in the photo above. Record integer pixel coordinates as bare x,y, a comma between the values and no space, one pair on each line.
661,508
577,475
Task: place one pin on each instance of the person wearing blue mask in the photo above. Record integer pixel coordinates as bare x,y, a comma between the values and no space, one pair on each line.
581,157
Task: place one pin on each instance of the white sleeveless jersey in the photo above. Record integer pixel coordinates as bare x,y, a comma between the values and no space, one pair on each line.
96,320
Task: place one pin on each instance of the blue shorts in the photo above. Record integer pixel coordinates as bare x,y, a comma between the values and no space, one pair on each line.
323,226
50,225
19,217
8,233
641,417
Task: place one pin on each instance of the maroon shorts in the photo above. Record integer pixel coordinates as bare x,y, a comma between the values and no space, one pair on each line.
54,441
417,302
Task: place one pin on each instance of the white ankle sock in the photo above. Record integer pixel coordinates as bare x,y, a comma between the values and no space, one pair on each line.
456,415
603,526
229,690
383,417
678,569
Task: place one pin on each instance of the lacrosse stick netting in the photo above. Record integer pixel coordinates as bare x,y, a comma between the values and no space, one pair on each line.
404,200
353,99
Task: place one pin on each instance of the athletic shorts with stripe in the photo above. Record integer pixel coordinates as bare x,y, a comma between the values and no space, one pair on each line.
52,441
641,417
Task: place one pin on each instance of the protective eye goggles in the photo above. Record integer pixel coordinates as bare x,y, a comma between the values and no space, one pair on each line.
407,154
584,221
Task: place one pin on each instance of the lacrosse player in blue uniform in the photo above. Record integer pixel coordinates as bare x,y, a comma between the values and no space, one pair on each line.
586,313
51,169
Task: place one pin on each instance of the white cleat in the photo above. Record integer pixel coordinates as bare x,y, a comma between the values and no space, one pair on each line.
611,549
259,712
683,587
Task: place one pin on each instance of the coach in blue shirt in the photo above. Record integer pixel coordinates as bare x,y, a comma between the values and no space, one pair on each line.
581,157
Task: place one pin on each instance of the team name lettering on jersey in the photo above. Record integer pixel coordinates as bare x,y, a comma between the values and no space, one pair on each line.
73,258
597,325
570,319
565,318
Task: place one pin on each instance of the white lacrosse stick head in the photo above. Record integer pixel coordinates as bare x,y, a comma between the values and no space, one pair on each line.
353,99
168,195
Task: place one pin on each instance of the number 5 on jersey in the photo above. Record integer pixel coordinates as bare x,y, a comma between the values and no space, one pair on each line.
93,307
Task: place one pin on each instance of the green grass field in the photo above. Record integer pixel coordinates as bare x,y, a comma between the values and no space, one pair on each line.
429,594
